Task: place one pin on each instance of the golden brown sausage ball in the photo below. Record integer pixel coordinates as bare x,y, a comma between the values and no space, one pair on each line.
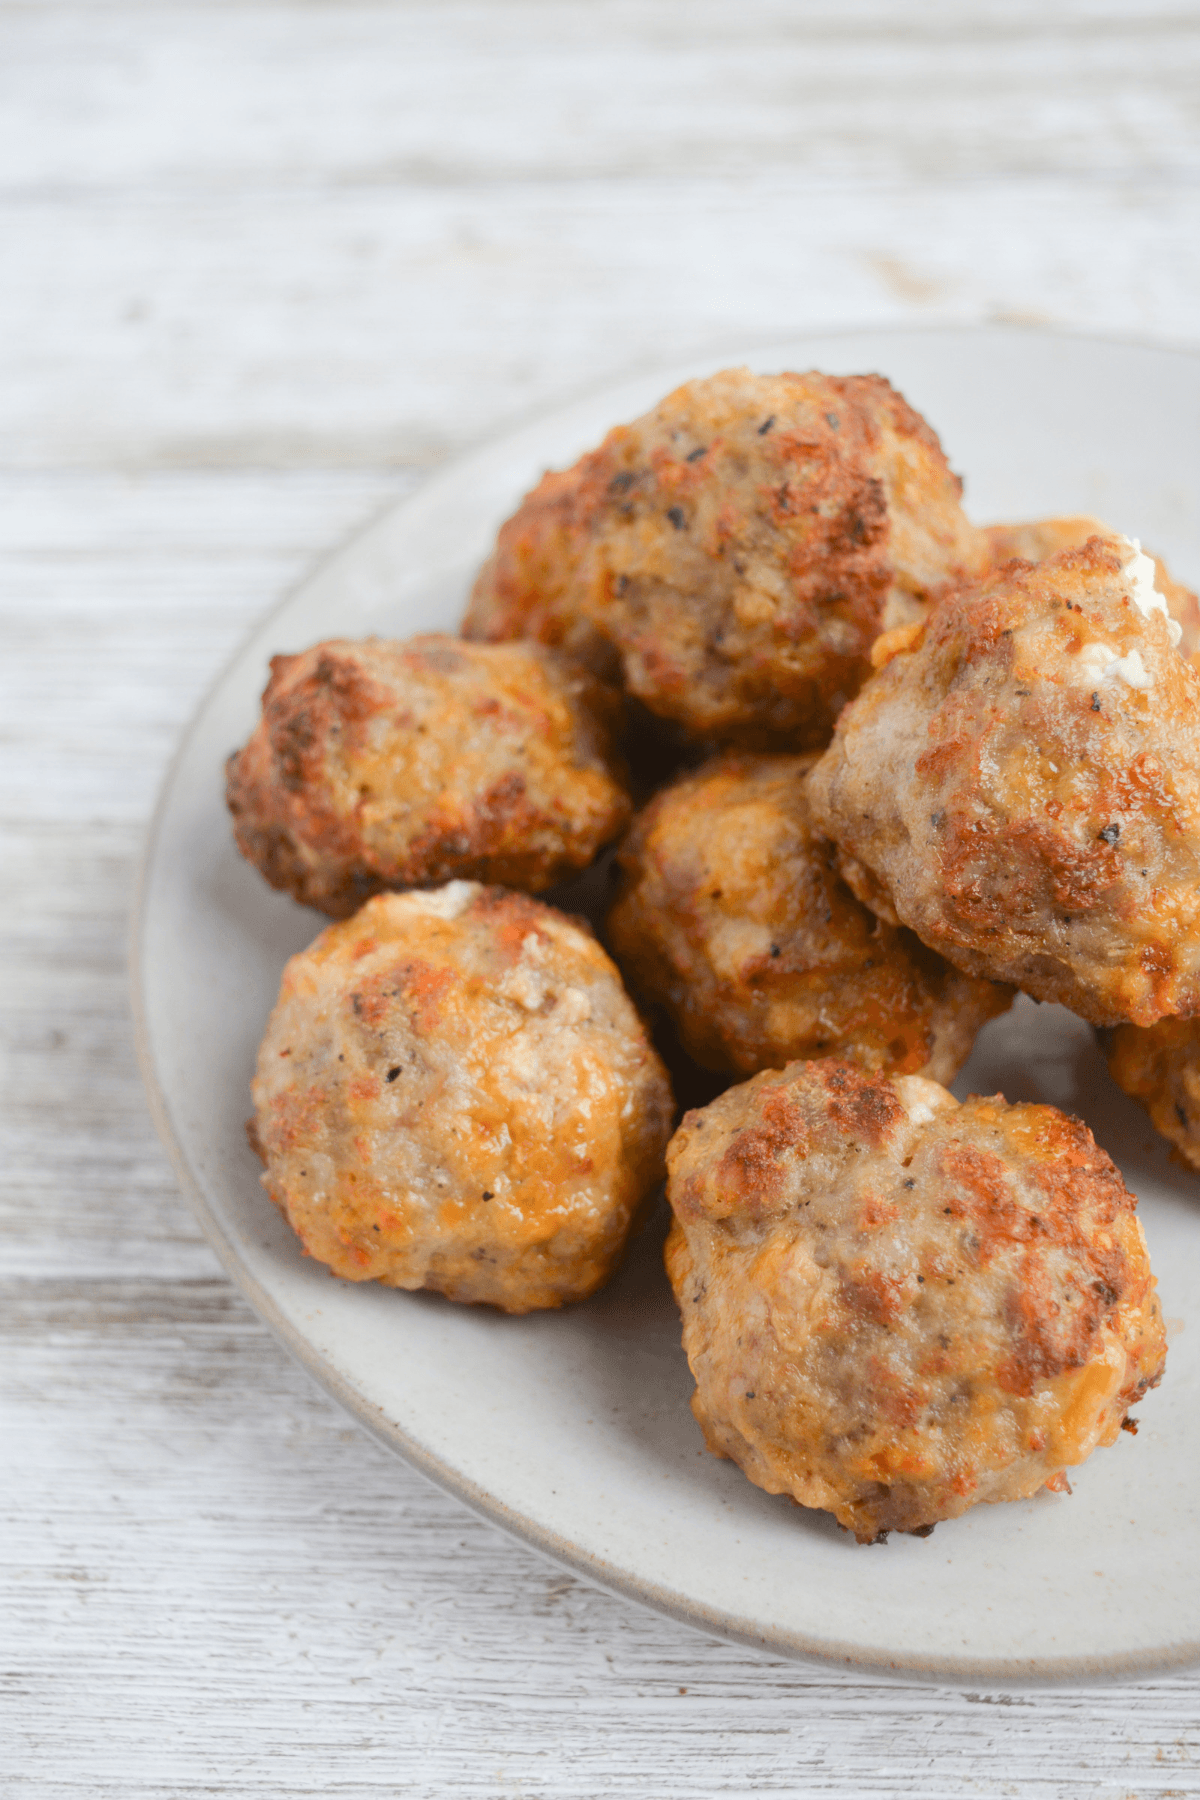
1036,539
741,546
895,1306
388,765
1021,787
732,917
1160,1066
454,1092
529,586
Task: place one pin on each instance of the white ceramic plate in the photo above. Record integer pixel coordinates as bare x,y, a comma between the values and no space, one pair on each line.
572,1429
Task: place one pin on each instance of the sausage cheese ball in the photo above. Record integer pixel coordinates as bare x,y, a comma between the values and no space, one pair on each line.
741,547
1036,539
386,765
454,1092
1160,1066
1021,787
732,917
895,1306
529,587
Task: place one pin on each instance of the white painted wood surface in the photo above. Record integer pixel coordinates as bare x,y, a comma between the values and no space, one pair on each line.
262,263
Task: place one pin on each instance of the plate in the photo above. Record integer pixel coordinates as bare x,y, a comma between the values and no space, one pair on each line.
572,1429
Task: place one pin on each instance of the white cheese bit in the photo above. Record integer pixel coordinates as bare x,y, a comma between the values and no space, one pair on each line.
1100,662
1095,660
574,1006
526,987
1131,670
1140,572
922,1099
445,902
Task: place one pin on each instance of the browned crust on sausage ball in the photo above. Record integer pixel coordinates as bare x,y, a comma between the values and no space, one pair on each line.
740,546
1031,820
731,916
1160,1066
1033,540
387,765
528,588
454,1092
894,1306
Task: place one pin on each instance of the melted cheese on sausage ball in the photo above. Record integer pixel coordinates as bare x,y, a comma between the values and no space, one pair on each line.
739,548
1020,785
389,765
732,917
895,1306
1160,1066
454,1092
1034,540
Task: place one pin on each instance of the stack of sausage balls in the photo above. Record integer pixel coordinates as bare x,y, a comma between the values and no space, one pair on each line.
889,767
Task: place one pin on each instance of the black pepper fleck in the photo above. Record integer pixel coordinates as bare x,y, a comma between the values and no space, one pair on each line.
392,1073
1110,834
677,517
766,426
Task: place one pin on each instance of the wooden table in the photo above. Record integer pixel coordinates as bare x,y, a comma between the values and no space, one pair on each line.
264,264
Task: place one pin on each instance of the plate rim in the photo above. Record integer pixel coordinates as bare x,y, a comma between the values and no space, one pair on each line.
819,1654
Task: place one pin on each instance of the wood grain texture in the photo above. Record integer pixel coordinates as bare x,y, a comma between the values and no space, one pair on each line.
264,262
340,234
